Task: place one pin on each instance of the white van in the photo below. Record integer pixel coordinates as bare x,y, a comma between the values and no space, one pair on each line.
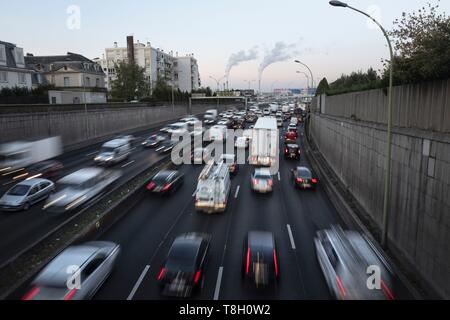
217,133
176,130
294,121
113,152
213,189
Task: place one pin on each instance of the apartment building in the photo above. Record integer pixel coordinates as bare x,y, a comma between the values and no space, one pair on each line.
13,71
187,76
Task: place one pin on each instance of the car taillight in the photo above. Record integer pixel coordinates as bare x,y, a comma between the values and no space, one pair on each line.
275,261
197,276
386,291
314,180
299,180
161,273
255,181
270,182
167,187
286,151
341,287
31,294
151,186
70,295
247,263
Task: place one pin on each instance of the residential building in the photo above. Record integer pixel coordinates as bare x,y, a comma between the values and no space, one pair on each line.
76,78
187,76
13,71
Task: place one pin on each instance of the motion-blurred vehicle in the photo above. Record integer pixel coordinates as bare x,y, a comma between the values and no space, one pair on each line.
217,133
80,187
113,152
294,121
210,116
231,162
21,154
292,151
262,181
154,141
290,137
344,257
130,138
178,129
303,178
165,182
242,143
50,169
201,156
190,121
166,146
183,270
293,128
92,263
266,112
213,188
260,259
265,141
26,193
280,122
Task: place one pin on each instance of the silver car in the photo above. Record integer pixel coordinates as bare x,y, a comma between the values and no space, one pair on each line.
26,193
75,274
345,258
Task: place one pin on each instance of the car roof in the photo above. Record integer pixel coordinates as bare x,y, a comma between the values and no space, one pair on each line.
115,143
261,239
32,182
263,172
165,174
292,146
82,175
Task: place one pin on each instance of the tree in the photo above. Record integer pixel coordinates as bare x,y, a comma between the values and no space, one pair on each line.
356,81
323,87
422,46
130,83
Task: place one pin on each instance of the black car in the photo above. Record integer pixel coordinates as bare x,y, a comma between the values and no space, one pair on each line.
292,151
154,141
183,270
50,169
303,178
260,265
165,182
166,146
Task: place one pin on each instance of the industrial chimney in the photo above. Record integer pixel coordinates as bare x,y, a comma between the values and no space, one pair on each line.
130,49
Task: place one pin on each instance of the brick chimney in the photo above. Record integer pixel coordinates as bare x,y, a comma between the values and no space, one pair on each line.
130,49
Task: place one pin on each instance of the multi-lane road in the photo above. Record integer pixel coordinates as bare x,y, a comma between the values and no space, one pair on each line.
294,216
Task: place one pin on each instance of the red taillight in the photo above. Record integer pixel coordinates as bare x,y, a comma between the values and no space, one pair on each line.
161,273
299,180
167,187
31,294
270,182
151,186
386,291
255,181
314,180
247,263
286,151
197,276
275,261
341,287
70,295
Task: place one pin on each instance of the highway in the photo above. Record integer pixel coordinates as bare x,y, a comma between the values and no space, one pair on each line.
147,231
18,230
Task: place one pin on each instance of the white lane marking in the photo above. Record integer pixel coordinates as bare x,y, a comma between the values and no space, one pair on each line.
138,283
291,237
91,154
8,183
218,284
279,176
237,192
129,163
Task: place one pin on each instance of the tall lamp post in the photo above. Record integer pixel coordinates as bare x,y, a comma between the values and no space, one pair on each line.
310,72
217,81
307,77
387,179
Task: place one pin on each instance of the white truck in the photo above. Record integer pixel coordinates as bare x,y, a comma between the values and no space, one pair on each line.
264,142
21,154
213,189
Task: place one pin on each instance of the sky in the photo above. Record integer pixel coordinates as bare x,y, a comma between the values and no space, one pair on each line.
331,41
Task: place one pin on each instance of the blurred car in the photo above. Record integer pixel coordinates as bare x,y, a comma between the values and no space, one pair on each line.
202,155
242,143
231,162
166,146
113,152
261,181
344,257
292,151
184,267
154,140
260,265
293,128
280,122
191,121
26,193
225,122
80,187
95,261
165,182
130,138
303,178
50,169
290,137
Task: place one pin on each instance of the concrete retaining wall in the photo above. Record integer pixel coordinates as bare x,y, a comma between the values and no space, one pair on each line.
419,223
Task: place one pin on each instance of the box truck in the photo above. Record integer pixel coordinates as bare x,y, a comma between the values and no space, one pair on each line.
264,142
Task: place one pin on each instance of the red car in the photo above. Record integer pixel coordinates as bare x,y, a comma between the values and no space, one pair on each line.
290,137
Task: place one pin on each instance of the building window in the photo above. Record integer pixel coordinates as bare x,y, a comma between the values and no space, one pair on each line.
97,83
66,82
2,53
3,76
88,82
22,78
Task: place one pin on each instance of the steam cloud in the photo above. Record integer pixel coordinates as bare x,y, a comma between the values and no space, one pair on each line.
280,52
239,57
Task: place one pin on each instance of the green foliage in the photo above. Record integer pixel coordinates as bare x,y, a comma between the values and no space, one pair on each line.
130,83
163,92
323,87
356,81
207,91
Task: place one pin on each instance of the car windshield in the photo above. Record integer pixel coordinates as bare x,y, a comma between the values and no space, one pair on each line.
107,150
262,176
19,190
304,173
182,257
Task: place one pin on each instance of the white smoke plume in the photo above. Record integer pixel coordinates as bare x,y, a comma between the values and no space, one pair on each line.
279,53
239,57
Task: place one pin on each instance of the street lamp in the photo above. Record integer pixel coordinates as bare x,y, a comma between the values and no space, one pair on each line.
312,77
387,180
307,77
217,81
249,83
